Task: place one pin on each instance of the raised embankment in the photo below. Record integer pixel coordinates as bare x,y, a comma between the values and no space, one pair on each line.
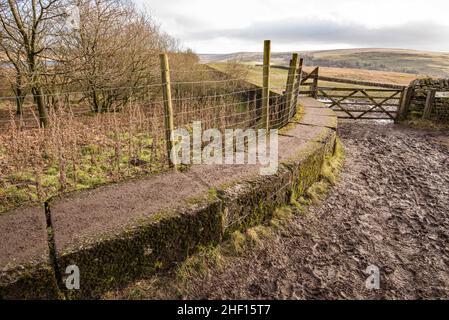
116,233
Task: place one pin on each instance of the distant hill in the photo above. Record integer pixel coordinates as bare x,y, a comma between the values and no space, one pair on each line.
435,64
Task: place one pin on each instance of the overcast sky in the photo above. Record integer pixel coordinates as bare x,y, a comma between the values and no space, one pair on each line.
225,26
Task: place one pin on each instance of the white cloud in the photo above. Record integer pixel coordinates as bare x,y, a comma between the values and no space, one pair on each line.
209,26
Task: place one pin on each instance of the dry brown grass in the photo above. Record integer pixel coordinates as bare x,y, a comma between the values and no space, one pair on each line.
366,75
78,152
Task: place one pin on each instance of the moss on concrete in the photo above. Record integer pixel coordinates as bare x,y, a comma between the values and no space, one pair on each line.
154,244
31,281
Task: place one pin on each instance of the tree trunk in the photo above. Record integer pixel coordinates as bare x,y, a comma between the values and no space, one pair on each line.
40,102
96,102
20,97
37,91
19,102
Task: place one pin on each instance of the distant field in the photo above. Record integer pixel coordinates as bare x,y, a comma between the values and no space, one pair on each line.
435,64
366,75
279,76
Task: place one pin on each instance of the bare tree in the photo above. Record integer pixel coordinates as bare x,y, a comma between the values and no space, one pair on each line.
27,31
18,70
113,54
109,57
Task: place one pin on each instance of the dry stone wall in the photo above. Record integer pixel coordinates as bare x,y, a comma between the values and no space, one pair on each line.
421,88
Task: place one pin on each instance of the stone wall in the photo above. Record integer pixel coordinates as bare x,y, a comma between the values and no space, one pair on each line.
420,90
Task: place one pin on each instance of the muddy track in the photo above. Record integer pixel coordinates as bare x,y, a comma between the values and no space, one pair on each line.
390,209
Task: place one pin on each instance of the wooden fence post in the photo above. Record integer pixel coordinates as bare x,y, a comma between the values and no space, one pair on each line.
297,87
266,85
288,75
291,82
315,82
404,103
401,103
429,103
168,107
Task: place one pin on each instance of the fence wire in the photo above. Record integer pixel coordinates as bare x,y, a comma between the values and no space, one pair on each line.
84,146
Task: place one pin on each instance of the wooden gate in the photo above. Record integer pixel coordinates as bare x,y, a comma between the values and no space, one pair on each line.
356,103
352,99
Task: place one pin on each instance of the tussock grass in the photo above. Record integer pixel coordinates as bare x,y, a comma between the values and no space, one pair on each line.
197,264
333,164
238,243
425,124
330,171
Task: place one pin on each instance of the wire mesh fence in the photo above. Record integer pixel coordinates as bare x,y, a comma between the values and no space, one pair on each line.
84,147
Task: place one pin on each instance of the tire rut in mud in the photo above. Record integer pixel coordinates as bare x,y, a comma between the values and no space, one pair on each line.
390,209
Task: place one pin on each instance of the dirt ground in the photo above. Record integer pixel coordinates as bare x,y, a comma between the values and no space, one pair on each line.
389,209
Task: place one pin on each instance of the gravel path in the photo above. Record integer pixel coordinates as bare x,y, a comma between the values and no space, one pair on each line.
390,209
